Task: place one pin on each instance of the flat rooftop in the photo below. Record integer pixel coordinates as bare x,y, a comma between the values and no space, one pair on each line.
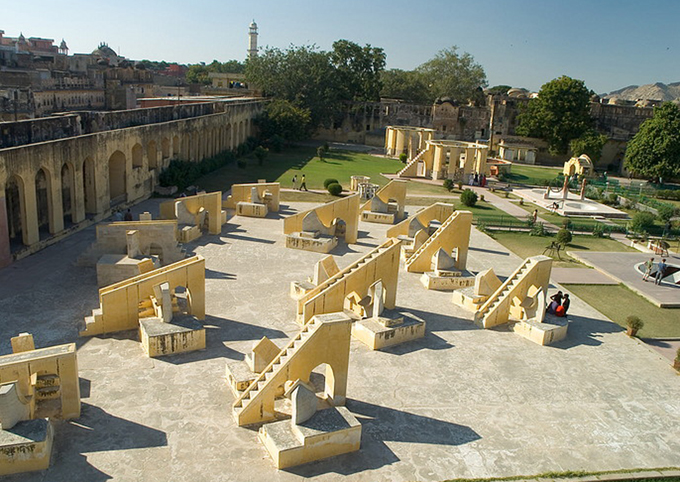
460,402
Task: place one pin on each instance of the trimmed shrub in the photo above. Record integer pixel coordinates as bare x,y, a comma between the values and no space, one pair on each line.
448,184
468,198
537,229
329,181
334,188
564,236
642,222
634,322
241,164
403,157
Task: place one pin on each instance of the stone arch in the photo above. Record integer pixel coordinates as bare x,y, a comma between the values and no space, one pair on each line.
229,144
152,154
165,148
16,210
184,299
322,378
117,178
175,146
137,155
89,186
237,134
68,193
216,141
43,202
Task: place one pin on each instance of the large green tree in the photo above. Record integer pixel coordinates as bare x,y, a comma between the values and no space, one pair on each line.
655,149
560,113
408,85
450,74
590,143
199,73
304,76
282,118
358,70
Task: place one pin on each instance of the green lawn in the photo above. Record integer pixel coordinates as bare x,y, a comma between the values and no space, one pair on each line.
616,302
281,167
532,175
524,246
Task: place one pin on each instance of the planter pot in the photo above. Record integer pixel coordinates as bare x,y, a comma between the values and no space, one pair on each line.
631,332
676,364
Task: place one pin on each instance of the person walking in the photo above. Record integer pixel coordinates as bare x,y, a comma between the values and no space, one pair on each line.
295,181
534,216
660,270
303,183
649,265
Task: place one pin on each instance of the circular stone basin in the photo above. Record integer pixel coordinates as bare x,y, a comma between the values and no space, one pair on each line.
580,206
672,273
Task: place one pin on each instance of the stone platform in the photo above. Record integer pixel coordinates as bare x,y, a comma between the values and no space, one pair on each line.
183,334
26,447
329,432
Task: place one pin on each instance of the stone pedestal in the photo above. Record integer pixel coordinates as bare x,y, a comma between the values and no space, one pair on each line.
189,233
327,433
239,376
380,218
380,332
184,334
308,242
552,330
26,447
112,268
253,210
447,280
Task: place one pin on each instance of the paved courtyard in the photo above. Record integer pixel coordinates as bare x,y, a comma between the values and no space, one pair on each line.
461,402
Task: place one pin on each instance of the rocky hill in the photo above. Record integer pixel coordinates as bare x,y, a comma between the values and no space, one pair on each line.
658,91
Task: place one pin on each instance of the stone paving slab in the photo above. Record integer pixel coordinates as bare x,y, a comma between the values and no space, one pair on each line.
583,276
460,402
621,266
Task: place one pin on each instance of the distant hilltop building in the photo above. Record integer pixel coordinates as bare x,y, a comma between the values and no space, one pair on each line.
252,40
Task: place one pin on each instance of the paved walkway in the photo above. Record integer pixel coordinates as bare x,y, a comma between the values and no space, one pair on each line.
620,266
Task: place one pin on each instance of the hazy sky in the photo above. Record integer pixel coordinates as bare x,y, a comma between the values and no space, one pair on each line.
609,44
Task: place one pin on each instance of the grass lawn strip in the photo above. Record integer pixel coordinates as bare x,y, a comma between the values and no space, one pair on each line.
617,302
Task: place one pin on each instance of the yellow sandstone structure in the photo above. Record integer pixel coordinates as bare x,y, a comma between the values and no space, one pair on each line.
387,206
195,213
520,300
341,290
35,385
437,159
580,166
254,200
318,229
323,270
405,139
164,305
325,339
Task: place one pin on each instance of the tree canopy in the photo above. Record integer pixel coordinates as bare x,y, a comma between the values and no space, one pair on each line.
358,69
304,76
560,113
282,118
590,143
450,74
655,149
407,85
198,73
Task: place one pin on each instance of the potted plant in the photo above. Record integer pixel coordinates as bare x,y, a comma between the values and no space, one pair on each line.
634,324
676,362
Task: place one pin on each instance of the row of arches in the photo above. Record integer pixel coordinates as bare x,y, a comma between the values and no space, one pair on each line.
43,204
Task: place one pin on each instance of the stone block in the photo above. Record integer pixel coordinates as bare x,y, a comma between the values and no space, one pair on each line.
550,331
145,216
26,447
378,333
262,354
112,268
328,433
322,244
184,334
298,289
22,342
189,233
379,218
14,408
253,210
239,376
467,298
447,281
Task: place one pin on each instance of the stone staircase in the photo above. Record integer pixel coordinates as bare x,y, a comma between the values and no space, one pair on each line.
406,171
256,403
488,313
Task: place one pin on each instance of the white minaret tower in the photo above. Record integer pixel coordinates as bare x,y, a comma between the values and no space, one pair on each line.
252,40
